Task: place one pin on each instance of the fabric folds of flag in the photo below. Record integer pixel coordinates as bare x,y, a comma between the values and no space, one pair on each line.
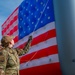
35,17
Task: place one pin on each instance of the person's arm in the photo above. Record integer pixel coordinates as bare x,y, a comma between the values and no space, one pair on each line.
3,61
26,47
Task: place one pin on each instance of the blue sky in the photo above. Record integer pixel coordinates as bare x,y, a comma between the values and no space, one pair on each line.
6,8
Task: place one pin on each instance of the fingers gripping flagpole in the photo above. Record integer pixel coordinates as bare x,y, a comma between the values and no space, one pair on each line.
35,28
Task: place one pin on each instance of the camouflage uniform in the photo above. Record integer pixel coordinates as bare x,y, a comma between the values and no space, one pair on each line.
9,60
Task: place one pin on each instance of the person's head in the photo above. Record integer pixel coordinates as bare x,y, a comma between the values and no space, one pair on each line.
7,41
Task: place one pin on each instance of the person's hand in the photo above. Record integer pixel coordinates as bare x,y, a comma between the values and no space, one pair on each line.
30,38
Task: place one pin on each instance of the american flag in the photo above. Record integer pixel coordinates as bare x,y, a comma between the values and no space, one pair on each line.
36,18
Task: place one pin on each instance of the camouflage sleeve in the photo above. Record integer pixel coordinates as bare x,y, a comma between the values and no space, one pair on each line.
3,61
26,47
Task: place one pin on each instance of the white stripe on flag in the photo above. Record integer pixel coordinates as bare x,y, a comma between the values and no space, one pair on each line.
38,32
15,33
41,61
11,27
42,45
15,13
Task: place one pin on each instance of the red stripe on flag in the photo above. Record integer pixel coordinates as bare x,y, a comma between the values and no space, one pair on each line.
15,18
10,16
7,24
41,53
41,38
13,30
48,69
3,31
16,39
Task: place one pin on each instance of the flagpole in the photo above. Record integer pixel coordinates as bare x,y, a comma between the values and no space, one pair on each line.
65,29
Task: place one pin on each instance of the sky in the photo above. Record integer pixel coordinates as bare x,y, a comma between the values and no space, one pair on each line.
6,8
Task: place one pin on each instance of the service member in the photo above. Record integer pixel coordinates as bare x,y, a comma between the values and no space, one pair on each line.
9,60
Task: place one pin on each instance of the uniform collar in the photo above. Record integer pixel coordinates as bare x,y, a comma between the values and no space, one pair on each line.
10,50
